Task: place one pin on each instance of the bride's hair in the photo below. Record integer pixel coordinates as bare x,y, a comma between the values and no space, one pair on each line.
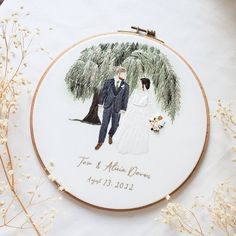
145,82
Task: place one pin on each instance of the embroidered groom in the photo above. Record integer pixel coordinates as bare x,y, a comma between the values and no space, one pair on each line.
114,99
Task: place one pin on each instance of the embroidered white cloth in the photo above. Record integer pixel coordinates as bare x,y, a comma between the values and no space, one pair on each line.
132,134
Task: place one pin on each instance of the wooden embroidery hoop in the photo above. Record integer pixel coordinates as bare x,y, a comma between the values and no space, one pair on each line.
150,35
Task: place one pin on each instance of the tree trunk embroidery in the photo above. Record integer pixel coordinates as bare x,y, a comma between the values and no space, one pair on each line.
92,116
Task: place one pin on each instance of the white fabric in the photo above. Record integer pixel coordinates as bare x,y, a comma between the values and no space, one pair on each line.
202,31
133,131
117,82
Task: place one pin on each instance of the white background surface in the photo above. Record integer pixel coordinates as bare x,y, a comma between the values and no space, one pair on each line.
203,31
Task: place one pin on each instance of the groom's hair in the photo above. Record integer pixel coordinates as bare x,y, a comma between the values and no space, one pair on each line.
119,69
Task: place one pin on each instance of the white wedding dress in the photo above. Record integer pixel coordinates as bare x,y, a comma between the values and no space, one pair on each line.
132,135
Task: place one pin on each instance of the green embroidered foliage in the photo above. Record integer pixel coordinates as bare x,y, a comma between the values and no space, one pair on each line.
97,64
135,70
168,90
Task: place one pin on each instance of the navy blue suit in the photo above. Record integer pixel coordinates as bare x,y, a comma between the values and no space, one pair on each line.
113,101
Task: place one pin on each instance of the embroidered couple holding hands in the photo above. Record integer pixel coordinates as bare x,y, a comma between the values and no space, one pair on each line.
132,135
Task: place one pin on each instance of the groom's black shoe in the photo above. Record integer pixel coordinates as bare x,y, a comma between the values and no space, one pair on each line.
98,146
110,141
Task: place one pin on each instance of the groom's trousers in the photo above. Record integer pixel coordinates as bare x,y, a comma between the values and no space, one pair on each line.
108,114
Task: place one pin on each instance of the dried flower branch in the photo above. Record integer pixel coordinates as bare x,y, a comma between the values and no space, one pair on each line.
223,209
220,210
224,114
183,219
15,42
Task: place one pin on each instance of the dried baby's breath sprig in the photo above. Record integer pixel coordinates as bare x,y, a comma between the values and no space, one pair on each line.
225,115
220,210
15,42
184,220
223,209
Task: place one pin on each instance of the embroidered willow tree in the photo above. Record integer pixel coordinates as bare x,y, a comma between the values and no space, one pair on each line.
96,64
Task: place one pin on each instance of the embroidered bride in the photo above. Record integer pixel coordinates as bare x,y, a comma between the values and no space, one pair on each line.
133,134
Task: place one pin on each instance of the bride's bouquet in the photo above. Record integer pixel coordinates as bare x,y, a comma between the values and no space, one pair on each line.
156,123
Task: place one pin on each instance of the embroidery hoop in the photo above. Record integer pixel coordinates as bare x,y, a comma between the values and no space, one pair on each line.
157,41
